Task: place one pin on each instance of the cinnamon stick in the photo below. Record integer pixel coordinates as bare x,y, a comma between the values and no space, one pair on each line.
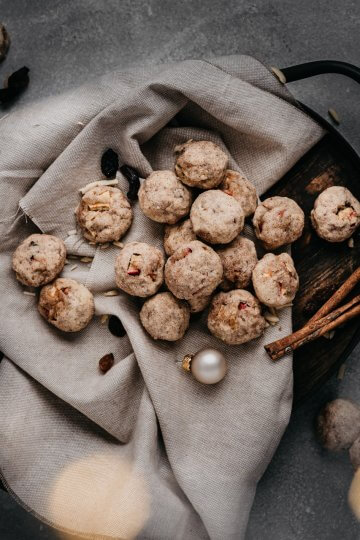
339,295
307,334
314,329
354,312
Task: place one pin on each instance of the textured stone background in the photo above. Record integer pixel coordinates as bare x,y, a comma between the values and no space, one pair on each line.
303,493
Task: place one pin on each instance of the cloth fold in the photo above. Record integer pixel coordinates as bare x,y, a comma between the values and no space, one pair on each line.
144,450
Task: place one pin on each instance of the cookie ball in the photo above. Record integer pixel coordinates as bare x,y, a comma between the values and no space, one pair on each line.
163,198
199,303
275,280
66,304
338,424
139,269
236,185
193,270
354,454
235,317
216,218
165,317
177,235
278,221
238,259
200,164
336,214
39,259
104,214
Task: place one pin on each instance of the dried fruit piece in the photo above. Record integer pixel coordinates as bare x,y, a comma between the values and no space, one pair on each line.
109,163
116,327
106,362
243,305
132,271
16,83
134,264
4,42
134,181
99,206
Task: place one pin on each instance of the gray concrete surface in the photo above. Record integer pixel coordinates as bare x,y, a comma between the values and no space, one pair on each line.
303,493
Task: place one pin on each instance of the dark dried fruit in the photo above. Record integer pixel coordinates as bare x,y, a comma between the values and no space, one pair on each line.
16,83
1,355
106,362
109,163
4,42
134,181
115,326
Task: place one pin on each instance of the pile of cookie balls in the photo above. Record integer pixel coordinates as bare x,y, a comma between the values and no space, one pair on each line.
203,243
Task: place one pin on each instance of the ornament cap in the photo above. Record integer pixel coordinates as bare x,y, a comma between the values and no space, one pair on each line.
186,363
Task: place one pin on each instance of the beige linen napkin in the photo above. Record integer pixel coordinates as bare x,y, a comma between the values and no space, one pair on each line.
144,450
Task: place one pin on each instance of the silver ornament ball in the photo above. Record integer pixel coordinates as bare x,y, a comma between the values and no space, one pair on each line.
208,366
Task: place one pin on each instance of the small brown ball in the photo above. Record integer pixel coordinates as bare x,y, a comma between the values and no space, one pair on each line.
176,235
163,198
239,259
66,304
216,218
194,270
275,280
336,214
278,221
236,185
338,424
139,269
199,303
104,214
200,164
39,259
165,317
235,317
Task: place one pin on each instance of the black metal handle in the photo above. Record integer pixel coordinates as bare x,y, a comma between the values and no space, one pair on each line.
310,69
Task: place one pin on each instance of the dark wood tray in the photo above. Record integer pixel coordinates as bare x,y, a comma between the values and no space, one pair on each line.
321,266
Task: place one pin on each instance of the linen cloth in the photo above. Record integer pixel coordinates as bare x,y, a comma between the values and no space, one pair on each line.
144,450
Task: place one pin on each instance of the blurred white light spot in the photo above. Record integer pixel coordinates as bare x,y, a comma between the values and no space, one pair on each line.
101,494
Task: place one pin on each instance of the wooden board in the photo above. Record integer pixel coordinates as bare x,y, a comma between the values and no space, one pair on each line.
321,266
